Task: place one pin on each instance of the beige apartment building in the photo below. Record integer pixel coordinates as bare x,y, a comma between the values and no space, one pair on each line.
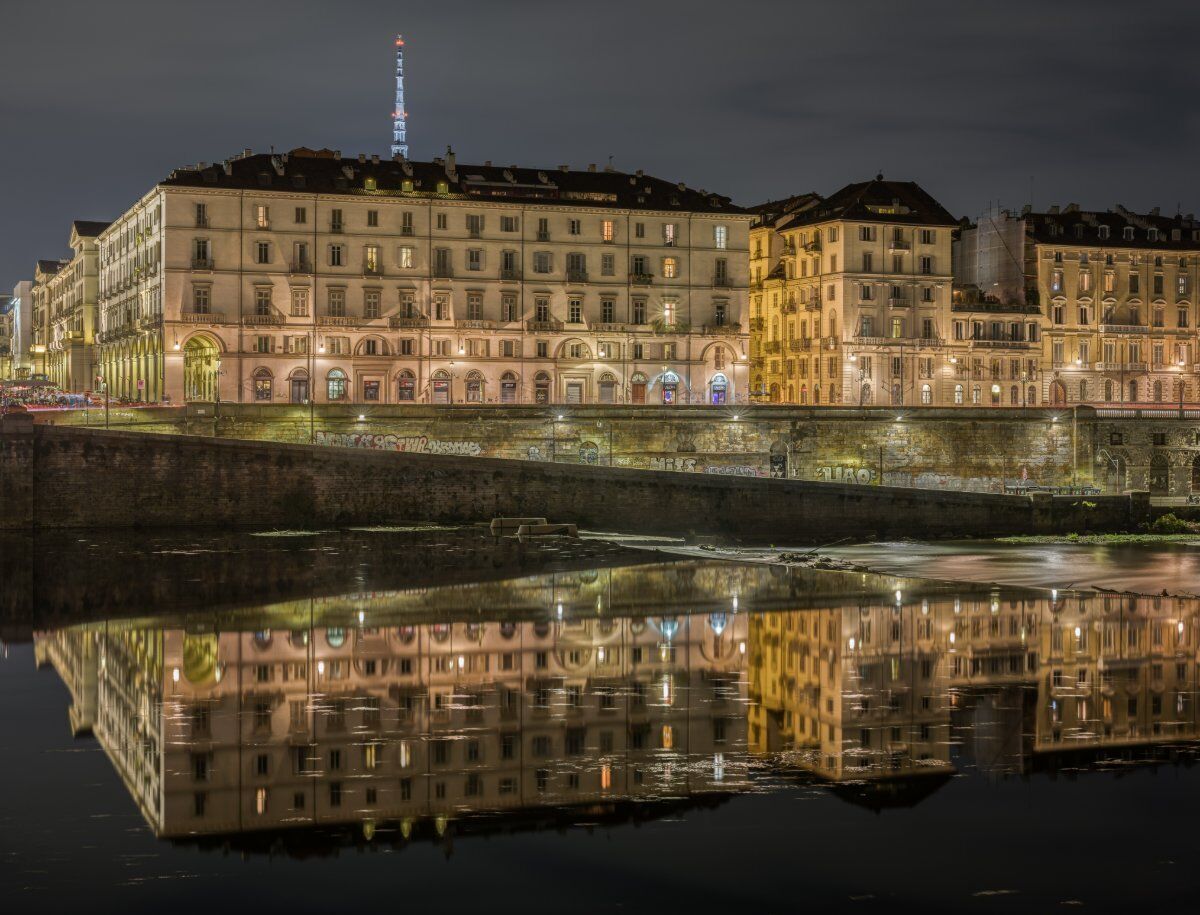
1114,293
64,313
276,278
851,298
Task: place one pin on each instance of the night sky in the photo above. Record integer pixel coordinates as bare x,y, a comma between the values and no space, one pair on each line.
1094,101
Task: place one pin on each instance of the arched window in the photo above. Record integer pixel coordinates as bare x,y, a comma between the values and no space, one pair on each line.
1108,390
508,388
803,393
406,387
976,395
1014,396
637,388
439,386
719,358
1032,397
1158,391
1083,392
926,394
335,385
474,387
298,384
958,394
589,453
541,388
1133,392
264,385
608,388
719,389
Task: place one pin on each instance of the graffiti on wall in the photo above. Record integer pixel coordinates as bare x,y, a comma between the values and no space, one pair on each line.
732,470
421,444
692,465
838,473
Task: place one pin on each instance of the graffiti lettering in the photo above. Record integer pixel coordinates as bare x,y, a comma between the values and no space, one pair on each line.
421,444
839,474
732,470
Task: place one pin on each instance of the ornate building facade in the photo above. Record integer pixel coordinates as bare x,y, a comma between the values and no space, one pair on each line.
280,278
64,314
1114,293
851,298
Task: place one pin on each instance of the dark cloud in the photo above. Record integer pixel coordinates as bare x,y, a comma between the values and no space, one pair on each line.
1095,100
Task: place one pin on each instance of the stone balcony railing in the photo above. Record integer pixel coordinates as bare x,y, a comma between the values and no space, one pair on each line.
397,321
1124,328
339,320
202,317
476,324
1128,367
263,320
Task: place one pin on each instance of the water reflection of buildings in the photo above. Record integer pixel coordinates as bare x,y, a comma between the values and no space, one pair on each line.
896,689
412,727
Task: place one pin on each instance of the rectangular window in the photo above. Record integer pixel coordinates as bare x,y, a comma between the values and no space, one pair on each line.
508,307
508,223
721,237
441,220
541,262
262,252
337,303
201,300
543,229
574,227
335,220
201,215
262,216
300,303
262,300
405,257
372,299
371,262
926,264
608,308
670,268
474,258
301,215
607,231
336,255
670,233
474,225
608,264
373,218
575,311
639,311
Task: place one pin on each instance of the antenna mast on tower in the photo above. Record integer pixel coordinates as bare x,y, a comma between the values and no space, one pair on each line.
399,115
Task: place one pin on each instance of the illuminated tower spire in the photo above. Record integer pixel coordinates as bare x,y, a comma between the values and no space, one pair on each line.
399,115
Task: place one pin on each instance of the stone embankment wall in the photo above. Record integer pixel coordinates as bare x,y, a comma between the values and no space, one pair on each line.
968,449
57,477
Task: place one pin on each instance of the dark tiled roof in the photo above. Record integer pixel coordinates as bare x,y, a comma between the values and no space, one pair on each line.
878,201
1073,226
324,172
87,228
50,266
774,211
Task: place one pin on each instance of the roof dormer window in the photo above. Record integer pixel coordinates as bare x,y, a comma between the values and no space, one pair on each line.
1152,234
1127,234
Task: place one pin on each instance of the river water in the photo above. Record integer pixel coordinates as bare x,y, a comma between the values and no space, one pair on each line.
624,733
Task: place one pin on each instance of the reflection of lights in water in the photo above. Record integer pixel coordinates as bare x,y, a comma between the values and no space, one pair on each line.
461,662
718,767
320,668
741,647
668,626
899,596
605,777
995,605
1077,631
952,638
175,675
851,644
957,605
666,689
924,607
1179,628
600,655
560,610
718,621
735,603
361,617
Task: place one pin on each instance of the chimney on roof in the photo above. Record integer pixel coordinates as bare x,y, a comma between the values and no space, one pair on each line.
1072,208
564,168
450,164
639,173
1027,209
247,152
1053,211
229,166
681,186
375,159
592,167
487,163
362,157
337,154
1154,212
